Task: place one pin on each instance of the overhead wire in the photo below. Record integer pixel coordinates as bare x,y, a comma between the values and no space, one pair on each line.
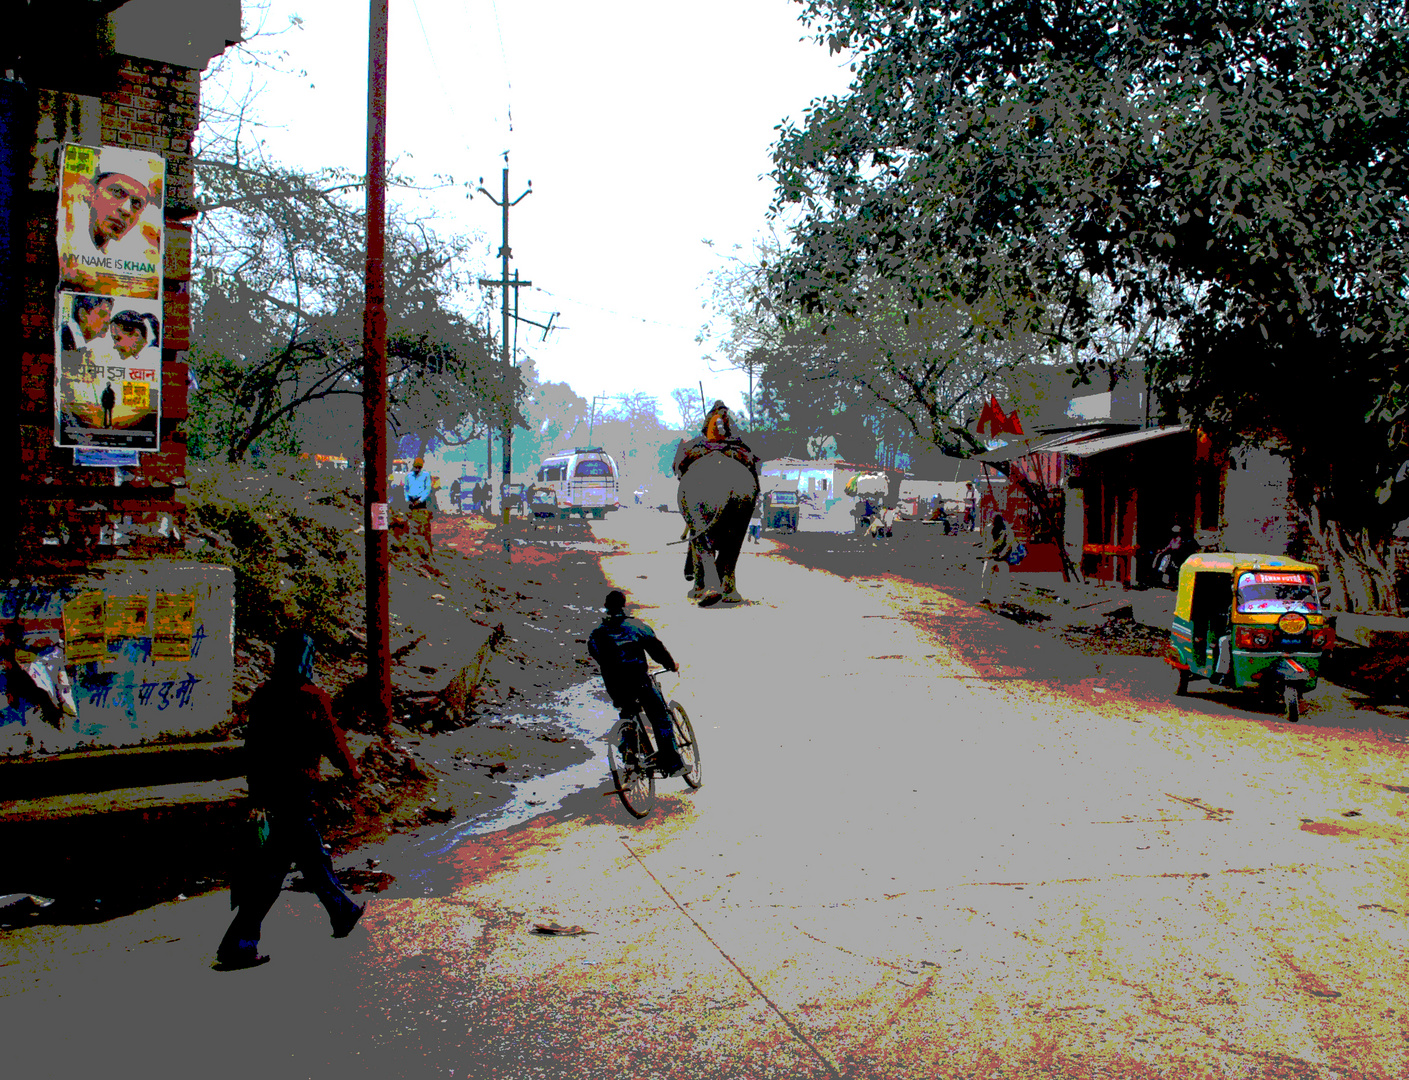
609,311
508,82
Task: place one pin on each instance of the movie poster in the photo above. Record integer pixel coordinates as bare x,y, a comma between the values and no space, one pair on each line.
111,221
108,306
107,372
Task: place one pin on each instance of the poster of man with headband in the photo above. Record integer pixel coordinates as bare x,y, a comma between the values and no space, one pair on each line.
108,307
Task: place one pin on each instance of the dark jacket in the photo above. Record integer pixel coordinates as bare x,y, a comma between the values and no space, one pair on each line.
620,646
291,729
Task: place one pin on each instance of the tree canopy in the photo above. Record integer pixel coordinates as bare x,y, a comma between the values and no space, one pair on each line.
278,303
1234,169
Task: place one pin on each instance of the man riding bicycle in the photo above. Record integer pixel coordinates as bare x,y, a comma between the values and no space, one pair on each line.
620,646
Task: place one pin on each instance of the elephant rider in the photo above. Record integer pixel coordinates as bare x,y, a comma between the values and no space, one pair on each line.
620,646
717,434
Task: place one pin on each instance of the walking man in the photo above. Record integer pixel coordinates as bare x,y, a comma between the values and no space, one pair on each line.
291,729
1000,546
418,502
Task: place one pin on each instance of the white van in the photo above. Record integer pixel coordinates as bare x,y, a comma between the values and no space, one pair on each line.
585,479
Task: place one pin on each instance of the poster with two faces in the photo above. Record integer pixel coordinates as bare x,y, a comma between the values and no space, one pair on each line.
108,306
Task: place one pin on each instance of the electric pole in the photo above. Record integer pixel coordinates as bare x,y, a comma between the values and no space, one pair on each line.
374,432
592,416
506,284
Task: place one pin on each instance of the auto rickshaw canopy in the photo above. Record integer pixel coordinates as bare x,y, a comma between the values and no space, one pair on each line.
867,484
1231,563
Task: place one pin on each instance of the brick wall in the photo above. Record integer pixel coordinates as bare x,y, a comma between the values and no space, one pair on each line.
67,513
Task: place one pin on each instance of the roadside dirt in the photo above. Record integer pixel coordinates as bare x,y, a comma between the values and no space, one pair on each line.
540,600
543,593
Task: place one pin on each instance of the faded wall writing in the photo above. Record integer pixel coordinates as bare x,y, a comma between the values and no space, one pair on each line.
141,675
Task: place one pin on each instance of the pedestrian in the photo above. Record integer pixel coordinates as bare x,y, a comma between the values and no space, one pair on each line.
291,729
756,521
620,646
1000,545
717,434
109,401
418,498
970,507
455,495
1170,558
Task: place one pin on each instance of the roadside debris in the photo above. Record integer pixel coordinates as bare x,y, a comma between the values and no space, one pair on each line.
552,929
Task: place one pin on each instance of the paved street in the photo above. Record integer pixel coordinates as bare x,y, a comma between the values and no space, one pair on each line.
903,863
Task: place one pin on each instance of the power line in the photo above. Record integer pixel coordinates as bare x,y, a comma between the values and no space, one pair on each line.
504,55
618,314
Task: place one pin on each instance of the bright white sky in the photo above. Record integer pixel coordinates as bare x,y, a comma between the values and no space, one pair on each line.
644,126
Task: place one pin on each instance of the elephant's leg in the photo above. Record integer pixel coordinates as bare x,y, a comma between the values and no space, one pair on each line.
697,573
727,561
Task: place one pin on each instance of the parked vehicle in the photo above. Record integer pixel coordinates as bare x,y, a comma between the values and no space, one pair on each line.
542,502
1250,622
780,510
584,479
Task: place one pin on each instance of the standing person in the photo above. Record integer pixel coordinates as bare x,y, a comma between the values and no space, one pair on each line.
620,646
418,499
1170,558
1000,544
108,401
970,507
756,522
291,728
455,495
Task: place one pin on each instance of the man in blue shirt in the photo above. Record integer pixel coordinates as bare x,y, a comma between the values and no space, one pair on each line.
418,500
620,646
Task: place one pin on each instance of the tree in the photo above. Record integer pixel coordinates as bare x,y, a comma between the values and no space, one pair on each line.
1237,169
278,296
555,412
687,407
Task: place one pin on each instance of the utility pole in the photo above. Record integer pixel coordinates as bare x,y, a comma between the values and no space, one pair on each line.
374,433
506,284
592,416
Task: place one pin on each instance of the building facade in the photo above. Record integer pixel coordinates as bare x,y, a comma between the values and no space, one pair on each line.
103,616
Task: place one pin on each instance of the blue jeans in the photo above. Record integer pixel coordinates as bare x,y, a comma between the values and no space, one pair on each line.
293,838
645,696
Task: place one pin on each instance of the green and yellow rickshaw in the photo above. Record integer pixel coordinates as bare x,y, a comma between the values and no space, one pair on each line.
1250,622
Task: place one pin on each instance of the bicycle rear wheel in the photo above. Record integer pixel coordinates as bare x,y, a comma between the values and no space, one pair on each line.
685,741
635,785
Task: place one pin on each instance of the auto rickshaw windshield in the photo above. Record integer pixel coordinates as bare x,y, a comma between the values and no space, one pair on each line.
1267,591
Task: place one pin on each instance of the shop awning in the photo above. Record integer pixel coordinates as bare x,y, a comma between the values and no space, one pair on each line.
1057,444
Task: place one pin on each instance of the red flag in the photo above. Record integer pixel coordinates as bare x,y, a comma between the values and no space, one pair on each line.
1013,423
993,418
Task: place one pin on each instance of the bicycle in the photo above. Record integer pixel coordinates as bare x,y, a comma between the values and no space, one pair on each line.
632,741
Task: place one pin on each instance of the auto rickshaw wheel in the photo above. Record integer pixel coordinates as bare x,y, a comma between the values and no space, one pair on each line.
1183,682
1291,698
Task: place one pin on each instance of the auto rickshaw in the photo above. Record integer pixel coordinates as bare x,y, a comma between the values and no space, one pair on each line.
1250,622
780,510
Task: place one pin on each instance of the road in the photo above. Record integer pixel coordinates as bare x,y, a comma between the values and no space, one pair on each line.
902,864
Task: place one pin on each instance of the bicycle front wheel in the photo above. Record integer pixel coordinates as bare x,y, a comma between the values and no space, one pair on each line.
634,784
686,743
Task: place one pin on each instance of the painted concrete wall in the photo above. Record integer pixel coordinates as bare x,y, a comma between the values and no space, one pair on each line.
1257,503
132,695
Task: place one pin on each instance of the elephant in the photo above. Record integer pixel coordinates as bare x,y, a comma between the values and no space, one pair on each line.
717,495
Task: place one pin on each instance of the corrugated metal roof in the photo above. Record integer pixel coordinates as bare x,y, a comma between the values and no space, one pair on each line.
1088,447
